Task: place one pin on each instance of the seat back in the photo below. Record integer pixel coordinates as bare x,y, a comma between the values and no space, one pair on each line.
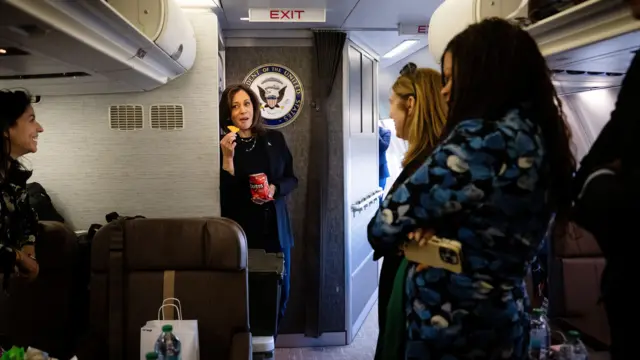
137,263
50,301
576,268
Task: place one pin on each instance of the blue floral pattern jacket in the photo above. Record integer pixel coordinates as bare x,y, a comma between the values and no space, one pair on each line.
485,186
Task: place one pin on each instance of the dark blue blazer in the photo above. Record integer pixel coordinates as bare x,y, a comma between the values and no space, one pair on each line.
280,173
384,138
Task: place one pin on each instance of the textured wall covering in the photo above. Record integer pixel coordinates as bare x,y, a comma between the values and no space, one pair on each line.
90,170
240,61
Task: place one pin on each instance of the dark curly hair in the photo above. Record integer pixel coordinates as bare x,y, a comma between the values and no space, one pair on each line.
12,105
497,66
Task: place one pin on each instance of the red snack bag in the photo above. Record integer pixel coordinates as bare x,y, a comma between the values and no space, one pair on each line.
259,186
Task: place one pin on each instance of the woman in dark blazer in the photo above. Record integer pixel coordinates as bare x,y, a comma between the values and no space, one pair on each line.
252,150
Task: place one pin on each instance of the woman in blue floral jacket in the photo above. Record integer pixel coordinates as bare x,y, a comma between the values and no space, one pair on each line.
503,166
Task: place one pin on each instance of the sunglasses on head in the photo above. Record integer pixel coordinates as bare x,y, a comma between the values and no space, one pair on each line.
409,70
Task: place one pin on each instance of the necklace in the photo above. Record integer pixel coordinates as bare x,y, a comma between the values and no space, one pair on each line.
252,140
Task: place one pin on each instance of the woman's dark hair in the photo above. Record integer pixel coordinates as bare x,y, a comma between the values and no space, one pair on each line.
13,105
226,101
497,67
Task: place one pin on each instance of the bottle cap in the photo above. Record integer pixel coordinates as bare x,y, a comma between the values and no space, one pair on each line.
167,328
151,355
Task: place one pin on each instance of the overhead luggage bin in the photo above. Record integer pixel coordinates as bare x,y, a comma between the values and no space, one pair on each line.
588,46
591,22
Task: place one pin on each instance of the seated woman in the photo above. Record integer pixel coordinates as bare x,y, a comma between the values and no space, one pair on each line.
19,224
255,150
503,166
419,112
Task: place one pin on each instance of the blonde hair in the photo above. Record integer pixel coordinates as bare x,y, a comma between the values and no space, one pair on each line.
422,128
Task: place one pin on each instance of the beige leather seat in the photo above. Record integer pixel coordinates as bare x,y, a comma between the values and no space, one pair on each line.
41,313
130,260
574,285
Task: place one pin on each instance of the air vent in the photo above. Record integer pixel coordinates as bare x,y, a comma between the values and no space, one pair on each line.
126,117
586,73
167,117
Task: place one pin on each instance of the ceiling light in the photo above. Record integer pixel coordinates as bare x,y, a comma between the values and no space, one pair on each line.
402,47
3,51
244,18
197,3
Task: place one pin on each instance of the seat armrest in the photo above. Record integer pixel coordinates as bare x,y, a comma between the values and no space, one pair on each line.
56,246
241,347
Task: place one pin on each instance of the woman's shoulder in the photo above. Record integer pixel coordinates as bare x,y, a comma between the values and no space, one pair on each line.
273,132
513,126
514,132
274,135
18,174
511,123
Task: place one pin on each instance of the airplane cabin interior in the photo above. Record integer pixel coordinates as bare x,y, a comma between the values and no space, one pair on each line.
129,169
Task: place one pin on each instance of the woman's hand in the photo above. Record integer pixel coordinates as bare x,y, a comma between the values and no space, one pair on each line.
26,263
272,192
228,145
421,236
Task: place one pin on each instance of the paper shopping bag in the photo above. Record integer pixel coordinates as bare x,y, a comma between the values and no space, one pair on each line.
185,330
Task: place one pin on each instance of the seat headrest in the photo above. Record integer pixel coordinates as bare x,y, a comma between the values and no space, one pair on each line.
175,244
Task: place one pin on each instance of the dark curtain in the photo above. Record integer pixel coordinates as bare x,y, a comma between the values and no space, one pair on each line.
328,55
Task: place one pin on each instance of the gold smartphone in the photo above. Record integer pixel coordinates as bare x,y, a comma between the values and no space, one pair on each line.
438,252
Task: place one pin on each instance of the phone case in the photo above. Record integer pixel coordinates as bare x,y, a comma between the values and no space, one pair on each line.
439,252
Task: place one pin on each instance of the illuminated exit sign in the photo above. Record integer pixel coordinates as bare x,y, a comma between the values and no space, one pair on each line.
413,29
287,15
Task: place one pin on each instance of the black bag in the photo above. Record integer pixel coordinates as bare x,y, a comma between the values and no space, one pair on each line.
112,216
41,203
84,270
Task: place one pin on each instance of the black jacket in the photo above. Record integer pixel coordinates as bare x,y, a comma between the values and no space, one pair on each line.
618,138
610,204
280,173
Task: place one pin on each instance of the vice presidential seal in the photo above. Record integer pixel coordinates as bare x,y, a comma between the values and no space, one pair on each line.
280,91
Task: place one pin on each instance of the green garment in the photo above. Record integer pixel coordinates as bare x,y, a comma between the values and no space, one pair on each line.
395,332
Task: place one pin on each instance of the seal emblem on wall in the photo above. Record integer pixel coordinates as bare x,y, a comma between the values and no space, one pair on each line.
280,91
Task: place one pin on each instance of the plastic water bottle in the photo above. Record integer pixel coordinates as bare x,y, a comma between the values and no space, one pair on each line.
580,351
573,348
545,315
539,336
545,306
168,346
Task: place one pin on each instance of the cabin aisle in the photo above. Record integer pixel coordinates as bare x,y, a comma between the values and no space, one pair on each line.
362,348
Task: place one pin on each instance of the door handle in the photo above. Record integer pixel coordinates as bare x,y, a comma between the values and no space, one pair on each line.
364,203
